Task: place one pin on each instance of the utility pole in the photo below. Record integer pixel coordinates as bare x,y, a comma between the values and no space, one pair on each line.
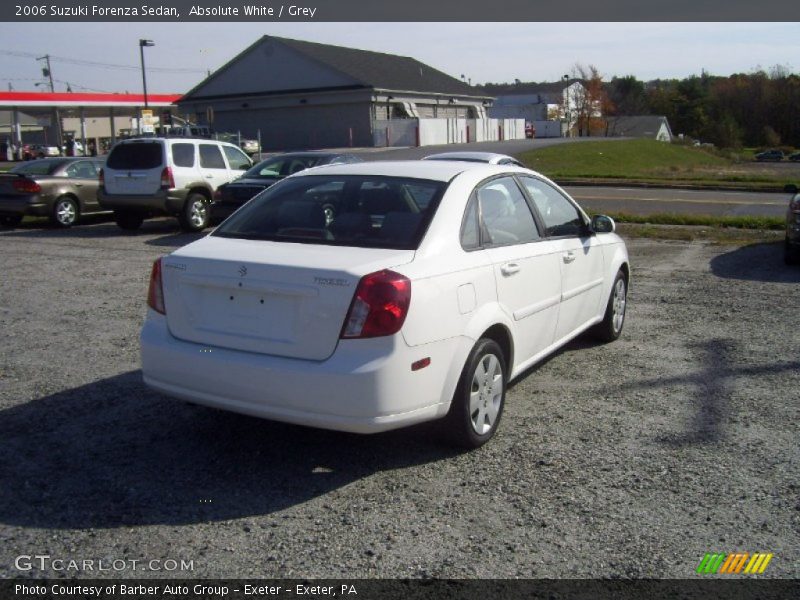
48,72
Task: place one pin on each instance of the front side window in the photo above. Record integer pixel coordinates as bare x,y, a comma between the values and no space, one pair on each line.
560,216
347,210
211,157
505,214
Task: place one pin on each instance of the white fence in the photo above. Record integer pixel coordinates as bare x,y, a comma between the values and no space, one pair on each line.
432,132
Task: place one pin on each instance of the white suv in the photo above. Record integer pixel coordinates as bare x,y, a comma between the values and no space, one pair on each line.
148,177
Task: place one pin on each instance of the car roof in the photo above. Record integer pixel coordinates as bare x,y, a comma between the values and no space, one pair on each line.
488,157
306,153
434,169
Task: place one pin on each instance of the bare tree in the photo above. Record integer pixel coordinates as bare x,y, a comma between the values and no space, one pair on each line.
587,102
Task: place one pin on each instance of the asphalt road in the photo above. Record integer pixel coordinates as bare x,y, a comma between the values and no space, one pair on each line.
637,201
648,201
599,199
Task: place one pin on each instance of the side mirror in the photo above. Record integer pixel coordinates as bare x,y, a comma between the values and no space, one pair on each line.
790,188
603,224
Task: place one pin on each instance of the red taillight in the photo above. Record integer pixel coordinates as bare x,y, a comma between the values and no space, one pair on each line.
167,181
379,307
26,186
155,293
101,177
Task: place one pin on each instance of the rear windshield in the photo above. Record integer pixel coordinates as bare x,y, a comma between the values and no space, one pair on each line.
38,167
145,155
339,210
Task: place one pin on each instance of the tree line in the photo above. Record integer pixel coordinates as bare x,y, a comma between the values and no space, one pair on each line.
745,109
759,109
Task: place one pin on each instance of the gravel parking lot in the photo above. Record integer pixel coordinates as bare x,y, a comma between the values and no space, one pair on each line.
632,459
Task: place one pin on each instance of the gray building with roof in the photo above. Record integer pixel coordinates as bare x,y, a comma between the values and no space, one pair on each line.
301,94
645,126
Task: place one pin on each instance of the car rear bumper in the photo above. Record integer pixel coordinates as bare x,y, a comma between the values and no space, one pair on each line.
20,206
366,386
163,202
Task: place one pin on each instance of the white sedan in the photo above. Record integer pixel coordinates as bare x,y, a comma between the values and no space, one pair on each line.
435,284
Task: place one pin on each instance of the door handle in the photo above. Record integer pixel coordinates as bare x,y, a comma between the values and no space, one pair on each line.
509,269
209,177
569,257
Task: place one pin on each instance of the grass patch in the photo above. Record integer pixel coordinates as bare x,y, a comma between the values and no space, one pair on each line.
737,222
647,161
690,233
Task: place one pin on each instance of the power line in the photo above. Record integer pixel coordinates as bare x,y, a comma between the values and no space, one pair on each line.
100,65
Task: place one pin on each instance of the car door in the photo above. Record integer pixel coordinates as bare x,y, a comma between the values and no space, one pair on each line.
84,180
212,165
526,269
580,255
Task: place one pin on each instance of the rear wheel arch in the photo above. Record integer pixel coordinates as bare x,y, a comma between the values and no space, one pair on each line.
200,189
502,336
625,271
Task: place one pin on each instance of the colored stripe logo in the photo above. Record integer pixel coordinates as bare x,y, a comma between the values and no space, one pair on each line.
735,563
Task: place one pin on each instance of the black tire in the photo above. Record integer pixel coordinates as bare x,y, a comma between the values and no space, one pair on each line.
196,213
129,221
65,212
10,221
479,398
610,328
790,255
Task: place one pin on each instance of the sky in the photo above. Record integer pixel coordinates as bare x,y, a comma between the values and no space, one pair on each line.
481,52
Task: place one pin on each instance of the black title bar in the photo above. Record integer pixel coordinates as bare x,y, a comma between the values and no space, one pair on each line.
382,589
404,11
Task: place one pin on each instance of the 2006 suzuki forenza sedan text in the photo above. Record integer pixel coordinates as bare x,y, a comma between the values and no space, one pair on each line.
433,286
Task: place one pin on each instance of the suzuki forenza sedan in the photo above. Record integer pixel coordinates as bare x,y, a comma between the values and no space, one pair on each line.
433,286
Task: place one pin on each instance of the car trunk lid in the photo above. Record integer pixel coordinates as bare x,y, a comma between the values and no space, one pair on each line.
282,299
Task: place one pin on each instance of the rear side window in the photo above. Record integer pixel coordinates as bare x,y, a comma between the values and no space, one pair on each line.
506,217
83,169
211,157
183,155
346,210
237,159
134,156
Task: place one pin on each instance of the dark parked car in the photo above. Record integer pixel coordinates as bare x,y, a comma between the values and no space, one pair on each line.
231,196
60,188
792,248
795,157
769,155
